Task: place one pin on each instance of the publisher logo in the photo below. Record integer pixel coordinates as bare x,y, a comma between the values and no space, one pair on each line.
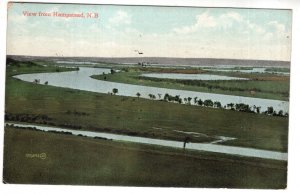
41,156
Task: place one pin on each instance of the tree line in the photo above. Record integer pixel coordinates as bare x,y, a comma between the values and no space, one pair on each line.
241,107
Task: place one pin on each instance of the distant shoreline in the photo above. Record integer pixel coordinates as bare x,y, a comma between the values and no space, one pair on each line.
158,60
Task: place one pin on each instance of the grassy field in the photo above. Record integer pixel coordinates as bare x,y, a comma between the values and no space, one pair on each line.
278,69
87,161
268,86
41,104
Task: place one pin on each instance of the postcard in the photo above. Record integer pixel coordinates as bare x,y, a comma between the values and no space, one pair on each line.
136,95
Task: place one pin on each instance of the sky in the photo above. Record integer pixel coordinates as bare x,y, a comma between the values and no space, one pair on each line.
121,31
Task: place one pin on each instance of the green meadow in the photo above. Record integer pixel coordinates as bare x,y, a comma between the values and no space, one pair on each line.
265,85
79,160
87,161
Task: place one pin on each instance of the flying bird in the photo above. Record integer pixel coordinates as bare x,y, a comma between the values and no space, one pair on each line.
139,52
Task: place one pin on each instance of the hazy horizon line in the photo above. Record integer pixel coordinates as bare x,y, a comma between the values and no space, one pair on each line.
146,57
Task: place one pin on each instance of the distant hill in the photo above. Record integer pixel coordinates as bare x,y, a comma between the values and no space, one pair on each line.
159,60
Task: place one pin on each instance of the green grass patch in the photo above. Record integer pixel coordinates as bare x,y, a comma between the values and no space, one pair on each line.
86,161
266,86
286,70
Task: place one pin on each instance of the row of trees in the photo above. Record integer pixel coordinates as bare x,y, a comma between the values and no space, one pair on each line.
241,107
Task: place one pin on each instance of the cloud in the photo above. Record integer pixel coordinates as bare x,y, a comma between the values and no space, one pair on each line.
237,27
208,21
232,16
121,17
268,36
254,28
205,20
228,19
277,32
202,21
279,27
17,19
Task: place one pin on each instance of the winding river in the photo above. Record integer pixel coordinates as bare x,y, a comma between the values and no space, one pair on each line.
81,80
209,147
